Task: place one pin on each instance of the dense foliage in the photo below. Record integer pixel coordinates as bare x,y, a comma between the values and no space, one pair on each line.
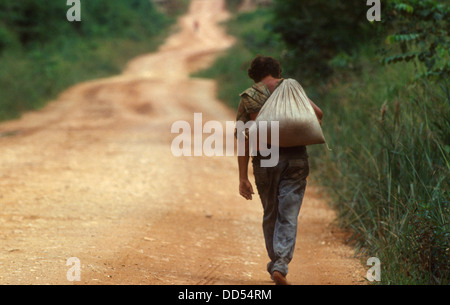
42,53
32,23
316,31
421,34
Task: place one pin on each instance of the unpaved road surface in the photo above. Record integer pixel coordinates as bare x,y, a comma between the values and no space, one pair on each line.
92,176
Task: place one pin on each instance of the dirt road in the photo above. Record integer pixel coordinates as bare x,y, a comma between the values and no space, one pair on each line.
92,176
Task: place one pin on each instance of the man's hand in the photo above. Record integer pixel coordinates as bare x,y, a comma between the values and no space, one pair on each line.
246,189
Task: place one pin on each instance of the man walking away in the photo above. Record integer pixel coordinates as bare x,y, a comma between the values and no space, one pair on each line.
281,188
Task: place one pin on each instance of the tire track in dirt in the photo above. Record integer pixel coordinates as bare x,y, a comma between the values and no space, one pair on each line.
92,176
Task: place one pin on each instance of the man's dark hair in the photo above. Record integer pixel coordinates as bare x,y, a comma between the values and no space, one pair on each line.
262,66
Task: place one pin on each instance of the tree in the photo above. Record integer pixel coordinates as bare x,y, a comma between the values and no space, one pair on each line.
419,33
316,31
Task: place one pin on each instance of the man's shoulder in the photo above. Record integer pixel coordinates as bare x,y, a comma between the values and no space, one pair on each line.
256,90
254,98
248,92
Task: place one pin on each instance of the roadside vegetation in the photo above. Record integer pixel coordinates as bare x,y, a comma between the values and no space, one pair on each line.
42,53
384,90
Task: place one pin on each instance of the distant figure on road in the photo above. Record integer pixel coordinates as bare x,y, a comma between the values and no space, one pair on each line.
282,187
196,25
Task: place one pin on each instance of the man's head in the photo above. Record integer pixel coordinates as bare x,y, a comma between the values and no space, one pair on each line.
262,66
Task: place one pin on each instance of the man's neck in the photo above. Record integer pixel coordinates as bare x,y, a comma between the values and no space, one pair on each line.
269,78
271,82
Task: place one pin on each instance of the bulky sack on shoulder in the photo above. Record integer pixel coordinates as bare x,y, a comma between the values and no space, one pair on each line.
290,106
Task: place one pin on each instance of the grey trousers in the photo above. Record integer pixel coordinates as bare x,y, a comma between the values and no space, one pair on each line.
281,189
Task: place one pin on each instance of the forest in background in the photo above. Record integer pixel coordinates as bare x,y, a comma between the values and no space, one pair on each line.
383,87
42,53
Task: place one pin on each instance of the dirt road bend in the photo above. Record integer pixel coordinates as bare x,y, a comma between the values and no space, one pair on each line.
92,176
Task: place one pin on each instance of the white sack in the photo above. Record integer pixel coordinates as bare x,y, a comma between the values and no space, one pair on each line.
290,106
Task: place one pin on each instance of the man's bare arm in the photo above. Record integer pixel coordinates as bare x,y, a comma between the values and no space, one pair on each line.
318,111
245,187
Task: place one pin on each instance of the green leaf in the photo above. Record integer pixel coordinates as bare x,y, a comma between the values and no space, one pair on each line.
404,7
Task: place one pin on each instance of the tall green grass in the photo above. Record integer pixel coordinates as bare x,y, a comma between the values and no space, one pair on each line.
388,172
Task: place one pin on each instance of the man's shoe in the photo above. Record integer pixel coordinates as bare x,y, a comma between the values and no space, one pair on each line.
279,278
